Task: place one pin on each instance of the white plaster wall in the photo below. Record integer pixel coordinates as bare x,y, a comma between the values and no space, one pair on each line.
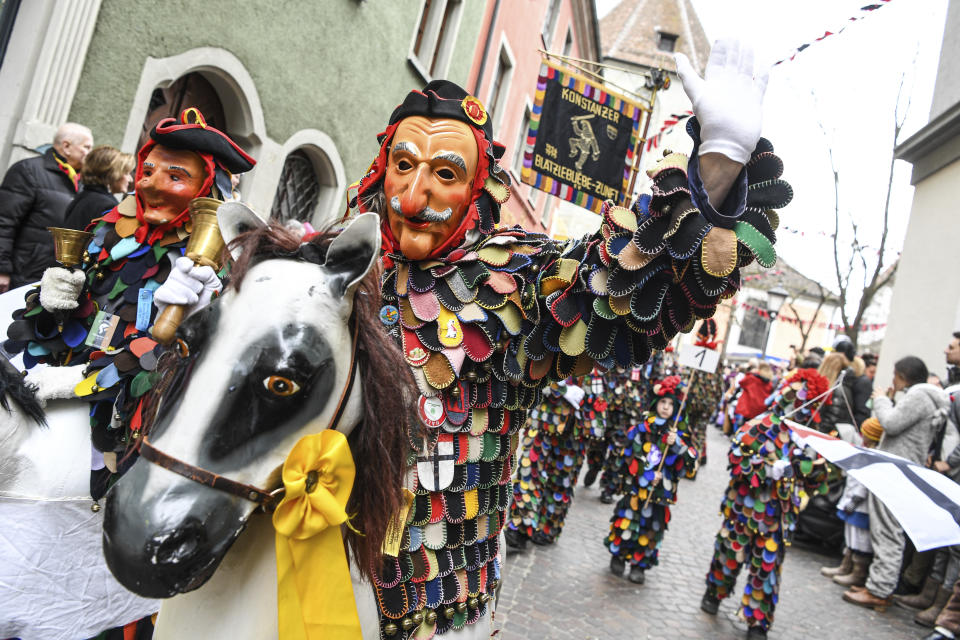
923,311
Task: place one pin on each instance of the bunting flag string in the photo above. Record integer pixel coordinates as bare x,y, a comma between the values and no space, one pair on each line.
826,34
825,234
668,125
832,326
765,274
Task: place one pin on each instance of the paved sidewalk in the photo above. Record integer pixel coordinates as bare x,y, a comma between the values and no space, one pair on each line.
566,592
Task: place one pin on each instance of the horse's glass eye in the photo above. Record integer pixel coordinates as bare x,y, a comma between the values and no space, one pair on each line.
280,386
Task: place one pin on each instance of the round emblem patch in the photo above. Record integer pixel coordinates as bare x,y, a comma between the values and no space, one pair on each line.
474,110
431,411
389,315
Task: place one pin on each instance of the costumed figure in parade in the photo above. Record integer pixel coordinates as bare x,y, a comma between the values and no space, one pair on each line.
551,456
629,391
656,455
593,420
771,478
85,333
487,317
703,397
92,325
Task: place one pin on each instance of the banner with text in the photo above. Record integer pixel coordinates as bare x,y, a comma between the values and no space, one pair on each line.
582,139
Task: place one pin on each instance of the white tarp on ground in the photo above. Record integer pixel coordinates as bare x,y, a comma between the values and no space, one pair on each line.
54,583
925,502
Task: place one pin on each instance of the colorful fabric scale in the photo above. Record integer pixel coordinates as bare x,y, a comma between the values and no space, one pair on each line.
120,356
760,512
485,327
550,460
638,525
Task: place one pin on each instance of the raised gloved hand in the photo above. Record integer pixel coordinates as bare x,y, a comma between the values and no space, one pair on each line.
780,469
573,395
188,285
728,100
60,288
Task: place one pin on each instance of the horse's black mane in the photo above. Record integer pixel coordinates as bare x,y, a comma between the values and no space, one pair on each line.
13,387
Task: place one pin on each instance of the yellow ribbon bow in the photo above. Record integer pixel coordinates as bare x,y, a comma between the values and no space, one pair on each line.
313,579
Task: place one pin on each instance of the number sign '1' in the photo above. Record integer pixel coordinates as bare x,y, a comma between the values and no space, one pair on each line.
699,358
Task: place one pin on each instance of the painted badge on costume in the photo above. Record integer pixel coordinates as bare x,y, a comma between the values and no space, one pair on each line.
431,411
389,315
435,468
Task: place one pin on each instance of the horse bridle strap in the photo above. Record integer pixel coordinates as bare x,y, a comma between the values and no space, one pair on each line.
266,499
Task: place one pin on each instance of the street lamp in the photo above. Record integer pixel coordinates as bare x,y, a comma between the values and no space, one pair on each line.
775,299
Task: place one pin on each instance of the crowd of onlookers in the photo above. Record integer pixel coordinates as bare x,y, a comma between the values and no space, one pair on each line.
68,185
916,417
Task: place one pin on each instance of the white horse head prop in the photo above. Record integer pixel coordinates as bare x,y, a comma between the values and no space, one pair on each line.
264,365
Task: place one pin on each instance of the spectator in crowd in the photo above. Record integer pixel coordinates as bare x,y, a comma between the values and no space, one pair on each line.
934,379
909,429
870,365
755,387
862,390
944,593
33,196
840,408
105,171
952,352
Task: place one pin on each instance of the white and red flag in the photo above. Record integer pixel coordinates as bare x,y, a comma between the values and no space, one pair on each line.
925,502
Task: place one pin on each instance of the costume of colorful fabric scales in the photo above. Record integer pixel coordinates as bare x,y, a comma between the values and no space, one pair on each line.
127,259
770,478
551,456
640,517
492,316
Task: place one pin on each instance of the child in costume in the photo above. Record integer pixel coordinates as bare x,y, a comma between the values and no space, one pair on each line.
852,509
550,462
656,455
770,477
704,395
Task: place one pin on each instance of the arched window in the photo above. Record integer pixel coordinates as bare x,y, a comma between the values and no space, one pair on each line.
189,90
298,191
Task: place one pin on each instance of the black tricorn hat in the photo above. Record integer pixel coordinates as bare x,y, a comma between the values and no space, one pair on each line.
445,99
200,137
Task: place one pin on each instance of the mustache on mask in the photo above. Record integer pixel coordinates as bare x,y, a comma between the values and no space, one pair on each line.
427,215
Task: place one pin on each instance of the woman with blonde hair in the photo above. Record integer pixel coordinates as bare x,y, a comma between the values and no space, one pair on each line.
105,171
840,408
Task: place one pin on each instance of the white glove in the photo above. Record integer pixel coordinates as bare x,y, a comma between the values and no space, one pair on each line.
779,468
728,102
54,383
573,395
60,288
188,285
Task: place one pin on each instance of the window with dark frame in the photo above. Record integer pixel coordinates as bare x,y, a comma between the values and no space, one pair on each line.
666,41
568,43
753,332
504,67
298,190
433,40
550,21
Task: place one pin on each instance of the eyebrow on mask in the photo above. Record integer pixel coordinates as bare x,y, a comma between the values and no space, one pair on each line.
408,147
452,157
176,167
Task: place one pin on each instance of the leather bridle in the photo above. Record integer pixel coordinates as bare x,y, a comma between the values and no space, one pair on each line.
267,500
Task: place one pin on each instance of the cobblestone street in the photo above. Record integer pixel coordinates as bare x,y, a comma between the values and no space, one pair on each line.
565,591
